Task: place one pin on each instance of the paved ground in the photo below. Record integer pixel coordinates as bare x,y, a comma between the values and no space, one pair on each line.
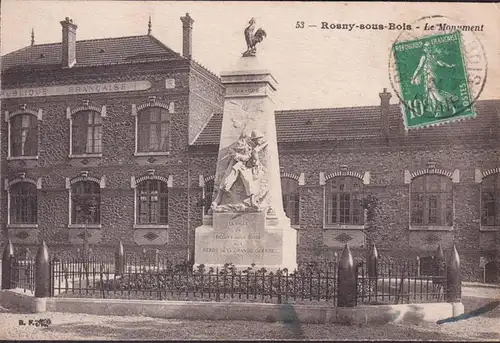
67,326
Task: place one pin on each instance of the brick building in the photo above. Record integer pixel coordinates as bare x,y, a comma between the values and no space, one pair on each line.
119,137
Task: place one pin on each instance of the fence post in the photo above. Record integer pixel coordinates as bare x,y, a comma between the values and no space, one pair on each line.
7,257
346,290
418,266
119,260
372,261
42,272
454,283
439,263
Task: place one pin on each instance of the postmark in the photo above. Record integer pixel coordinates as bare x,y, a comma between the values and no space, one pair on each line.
438,71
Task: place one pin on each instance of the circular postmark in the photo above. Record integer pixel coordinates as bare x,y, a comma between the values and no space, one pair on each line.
437,69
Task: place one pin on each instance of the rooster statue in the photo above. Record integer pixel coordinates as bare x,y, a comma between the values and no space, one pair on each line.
252,39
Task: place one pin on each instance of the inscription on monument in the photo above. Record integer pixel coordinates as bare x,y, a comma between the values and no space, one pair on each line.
240,238
246,90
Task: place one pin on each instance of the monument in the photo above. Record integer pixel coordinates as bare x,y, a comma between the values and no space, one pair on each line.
246,224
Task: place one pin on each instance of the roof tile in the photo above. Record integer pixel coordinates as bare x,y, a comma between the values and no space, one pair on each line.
349,123
93,52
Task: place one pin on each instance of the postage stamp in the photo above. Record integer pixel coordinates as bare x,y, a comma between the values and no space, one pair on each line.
438,76
433,79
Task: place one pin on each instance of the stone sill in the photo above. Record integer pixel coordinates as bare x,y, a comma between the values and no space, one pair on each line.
343,227
490,228
296,227
150,226
430,228
14,158
153,153
22,226
86,156
83,226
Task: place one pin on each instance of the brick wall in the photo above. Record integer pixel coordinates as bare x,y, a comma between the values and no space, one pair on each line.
386,167
118,163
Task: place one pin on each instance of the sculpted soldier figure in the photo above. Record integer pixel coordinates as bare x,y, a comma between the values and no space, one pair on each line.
246,165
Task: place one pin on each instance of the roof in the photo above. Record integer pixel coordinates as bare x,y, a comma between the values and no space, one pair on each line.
92,52
351,123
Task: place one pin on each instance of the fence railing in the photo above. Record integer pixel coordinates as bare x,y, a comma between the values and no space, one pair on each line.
399,283
336,283
22,273
181,282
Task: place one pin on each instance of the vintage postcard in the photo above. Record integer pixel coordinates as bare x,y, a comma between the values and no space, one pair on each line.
249,170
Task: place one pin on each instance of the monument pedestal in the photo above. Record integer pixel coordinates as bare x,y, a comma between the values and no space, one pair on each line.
245,239
247,225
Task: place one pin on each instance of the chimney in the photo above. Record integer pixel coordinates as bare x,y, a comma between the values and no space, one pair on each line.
68,43
187,36
385,97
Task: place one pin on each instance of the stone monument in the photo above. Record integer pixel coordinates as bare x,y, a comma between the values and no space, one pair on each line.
246,224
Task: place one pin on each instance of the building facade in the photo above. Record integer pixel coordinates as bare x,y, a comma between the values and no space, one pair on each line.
118,138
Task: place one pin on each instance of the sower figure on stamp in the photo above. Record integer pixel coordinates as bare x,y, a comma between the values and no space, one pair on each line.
245,163
428,64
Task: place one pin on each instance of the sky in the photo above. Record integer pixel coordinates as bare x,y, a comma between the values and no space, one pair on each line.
315,67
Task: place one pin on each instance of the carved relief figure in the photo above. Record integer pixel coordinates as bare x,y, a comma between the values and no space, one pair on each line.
246,165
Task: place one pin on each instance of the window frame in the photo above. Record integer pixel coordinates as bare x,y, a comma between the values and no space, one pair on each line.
137,111
9,117
101,183
136,185
358,194
293,223
70,114
9,187
85,126
205,197
74,194
441,204
496,196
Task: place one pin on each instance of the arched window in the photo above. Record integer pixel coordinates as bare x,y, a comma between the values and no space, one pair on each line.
87,132
343,195
85,203
208,191
432,200
23,203
490,198
24,135
153,130
291,199
427,266
152,202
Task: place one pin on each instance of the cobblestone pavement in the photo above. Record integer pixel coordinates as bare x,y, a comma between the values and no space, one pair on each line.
66,326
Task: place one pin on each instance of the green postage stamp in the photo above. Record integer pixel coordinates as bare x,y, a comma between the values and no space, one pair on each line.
433,79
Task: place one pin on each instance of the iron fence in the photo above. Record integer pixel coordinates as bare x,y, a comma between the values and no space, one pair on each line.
22,273
345,282
161,280
399,283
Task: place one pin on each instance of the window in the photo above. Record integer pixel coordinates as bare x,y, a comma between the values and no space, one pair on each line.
291,202
86,133
153,130
490,197
427,266
24,135
23,203
432,200
209,191
85,203
152,202
343,201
